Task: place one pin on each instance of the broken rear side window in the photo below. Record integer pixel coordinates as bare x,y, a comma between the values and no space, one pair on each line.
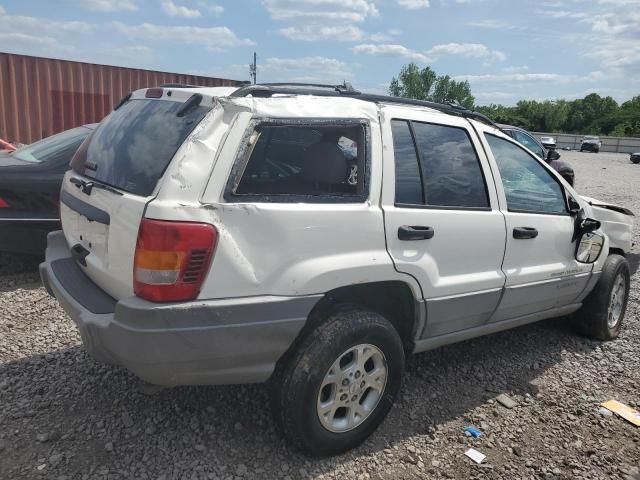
311,161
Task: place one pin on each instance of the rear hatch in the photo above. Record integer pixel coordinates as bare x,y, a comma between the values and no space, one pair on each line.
116,173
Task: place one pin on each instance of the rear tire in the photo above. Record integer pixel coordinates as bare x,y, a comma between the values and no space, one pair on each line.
636,160
338,385
602,312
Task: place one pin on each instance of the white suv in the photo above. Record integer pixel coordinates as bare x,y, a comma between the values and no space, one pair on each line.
313,238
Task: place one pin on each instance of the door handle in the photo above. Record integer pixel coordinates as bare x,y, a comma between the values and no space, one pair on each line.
406,232
522,233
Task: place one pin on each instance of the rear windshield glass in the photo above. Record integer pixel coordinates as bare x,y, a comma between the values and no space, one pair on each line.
132,147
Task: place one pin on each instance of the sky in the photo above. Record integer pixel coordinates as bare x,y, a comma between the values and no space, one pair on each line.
508,50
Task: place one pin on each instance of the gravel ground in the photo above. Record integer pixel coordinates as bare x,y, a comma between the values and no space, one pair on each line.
64,416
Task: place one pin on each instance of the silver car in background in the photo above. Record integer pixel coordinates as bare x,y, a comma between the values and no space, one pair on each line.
548,142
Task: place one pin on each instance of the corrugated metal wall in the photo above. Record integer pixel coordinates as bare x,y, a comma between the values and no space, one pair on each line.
43,96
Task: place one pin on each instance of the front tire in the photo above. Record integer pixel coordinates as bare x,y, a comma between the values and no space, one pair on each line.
602,313
336,388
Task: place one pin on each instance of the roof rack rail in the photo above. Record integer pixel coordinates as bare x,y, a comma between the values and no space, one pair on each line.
178,85
266,90
269,89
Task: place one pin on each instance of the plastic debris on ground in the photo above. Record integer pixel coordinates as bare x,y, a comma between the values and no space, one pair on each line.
473,431
475,455
629,414
606,412
506,401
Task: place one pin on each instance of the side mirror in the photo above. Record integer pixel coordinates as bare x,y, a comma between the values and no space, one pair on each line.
589,244
589,225
589,247
582,225
552,155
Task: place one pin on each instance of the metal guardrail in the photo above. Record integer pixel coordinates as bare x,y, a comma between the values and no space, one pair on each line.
609,144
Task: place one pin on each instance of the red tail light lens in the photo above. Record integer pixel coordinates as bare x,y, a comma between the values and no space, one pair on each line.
3,203
172,259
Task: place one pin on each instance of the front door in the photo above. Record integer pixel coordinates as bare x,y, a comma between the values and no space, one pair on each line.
539,261
443,224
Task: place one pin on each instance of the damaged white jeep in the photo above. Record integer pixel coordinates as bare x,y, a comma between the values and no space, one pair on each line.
313,238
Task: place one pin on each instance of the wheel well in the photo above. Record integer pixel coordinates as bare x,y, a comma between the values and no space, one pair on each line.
394,300
616,251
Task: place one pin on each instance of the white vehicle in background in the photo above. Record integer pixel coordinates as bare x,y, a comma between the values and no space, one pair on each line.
313,237
548,142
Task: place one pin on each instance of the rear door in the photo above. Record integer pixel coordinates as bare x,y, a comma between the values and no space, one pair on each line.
442,219
539,261
115,174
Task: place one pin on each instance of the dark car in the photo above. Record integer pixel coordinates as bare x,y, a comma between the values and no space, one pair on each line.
591,143
635,157
30,179
551,156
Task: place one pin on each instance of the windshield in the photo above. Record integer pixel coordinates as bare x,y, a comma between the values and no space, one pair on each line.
591,138
133,146
52,146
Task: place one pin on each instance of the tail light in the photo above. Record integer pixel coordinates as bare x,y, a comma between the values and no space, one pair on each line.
172,259
3,203
154,93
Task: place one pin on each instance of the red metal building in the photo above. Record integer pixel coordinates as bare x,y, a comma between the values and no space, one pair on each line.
43,96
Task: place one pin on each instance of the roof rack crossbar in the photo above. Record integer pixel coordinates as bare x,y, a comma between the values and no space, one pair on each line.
270,89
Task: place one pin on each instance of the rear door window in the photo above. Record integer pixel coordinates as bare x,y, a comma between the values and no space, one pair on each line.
408,178
133,146
437,166
284,161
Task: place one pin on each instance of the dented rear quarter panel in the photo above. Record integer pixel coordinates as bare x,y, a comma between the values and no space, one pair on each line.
269,248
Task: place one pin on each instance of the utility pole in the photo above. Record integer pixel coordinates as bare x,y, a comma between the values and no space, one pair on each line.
253,69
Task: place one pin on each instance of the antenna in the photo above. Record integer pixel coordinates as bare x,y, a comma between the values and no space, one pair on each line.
253,69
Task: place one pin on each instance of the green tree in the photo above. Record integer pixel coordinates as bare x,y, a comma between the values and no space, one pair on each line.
628,119
425,84
592,114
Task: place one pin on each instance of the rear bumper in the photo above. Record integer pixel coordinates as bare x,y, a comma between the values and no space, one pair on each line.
590,147
201,342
